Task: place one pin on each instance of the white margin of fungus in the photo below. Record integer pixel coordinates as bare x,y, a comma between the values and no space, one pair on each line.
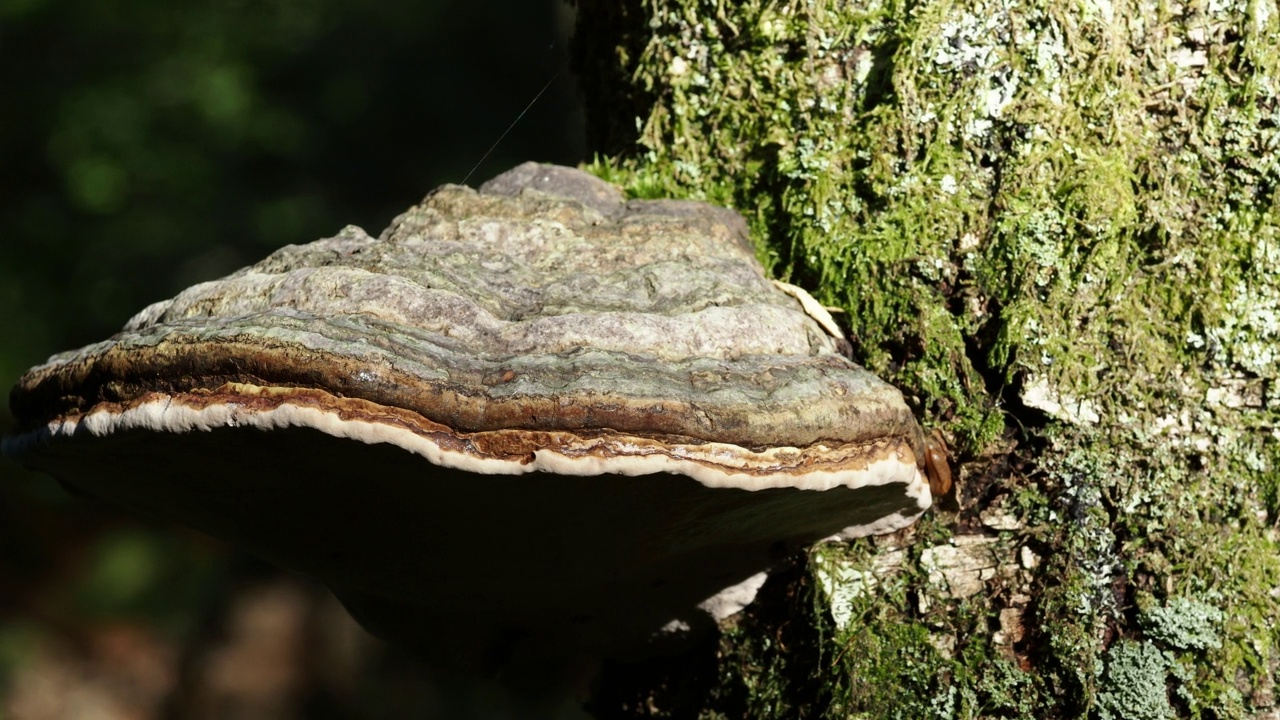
164,416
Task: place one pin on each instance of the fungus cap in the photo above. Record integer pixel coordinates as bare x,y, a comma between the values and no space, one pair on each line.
533,409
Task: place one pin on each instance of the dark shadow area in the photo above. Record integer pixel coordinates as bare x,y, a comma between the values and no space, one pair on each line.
678,686
147,147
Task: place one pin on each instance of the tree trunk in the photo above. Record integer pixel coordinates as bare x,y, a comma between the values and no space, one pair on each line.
1054,226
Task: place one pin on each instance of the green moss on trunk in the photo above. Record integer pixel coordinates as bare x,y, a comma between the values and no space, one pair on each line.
1055,226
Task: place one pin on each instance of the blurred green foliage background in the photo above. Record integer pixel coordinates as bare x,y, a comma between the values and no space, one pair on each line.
146,146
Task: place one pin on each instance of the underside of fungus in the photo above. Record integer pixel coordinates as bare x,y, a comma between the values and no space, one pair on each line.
535,410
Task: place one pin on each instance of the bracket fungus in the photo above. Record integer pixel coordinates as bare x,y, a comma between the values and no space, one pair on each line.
533,410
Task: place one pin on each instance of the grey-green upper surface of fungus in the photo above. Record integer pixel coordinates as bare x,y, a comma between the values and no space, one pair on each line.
654,318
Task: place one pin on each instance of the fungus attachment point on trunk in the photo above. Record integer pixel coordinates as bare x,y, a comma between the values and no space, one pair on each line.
534,411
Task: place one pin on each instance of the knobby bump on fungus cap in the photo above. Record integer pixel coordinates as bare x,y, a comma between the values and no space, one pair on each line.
535,410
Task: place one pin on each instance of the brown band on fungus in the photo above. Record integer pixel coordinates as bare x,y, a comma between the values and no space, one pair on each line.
518,445
178,364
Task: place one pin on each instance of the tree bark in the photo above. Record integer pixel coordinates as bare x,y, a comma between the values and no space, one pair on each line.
1055,227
